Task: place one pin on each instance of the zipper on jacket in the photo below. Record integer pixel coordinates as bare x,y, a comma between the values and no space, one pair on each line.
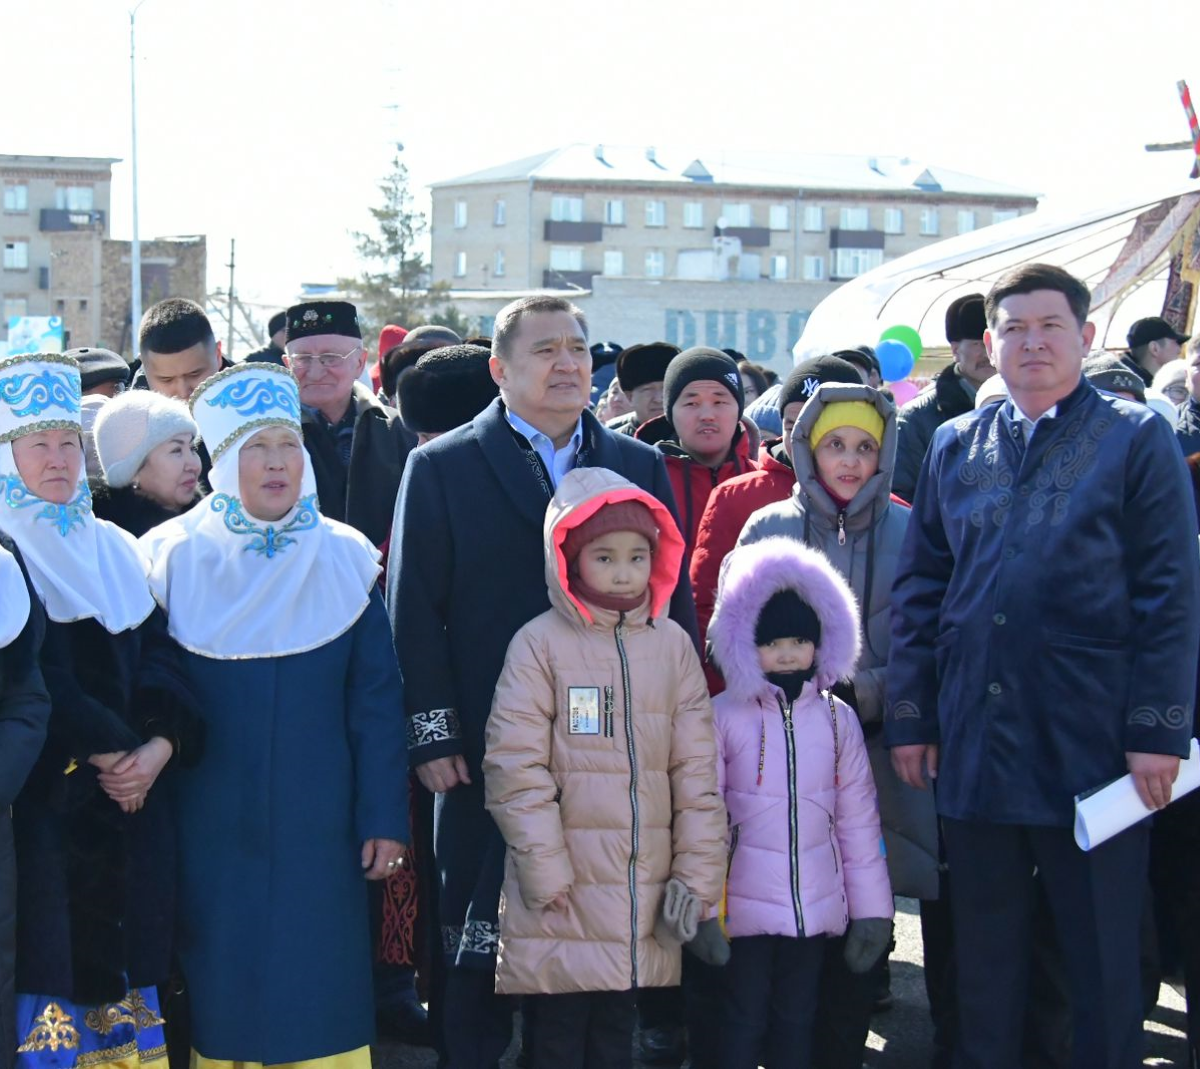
832,848
842,527
608,712
633,802
789,741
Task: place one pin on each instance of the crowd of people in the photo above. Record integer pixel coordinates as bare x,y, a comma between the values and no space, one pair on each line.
621,686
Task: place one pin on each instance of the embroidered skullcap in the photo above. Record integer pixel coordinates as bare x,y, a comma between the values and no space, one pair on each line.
243,399
322,317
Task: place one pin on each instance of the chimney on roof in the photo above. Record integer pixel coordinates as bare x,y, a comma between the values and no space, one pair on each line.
652,156
598,152
873,163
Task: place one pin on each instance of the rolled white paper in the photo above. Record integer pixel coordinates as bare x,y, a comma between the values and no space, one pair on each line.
1109,811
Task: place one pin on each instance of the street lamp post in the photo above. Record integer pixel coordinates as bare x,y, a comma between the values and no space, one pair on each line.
135,245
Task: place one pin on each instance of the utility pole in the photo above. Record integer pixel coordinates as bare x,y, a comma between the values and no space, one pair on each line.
229,342
135,246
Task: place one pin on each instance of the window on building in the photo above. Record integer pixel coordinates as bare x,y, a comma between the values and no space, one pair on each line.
75,198
614,212
929,222
737,214
656,213
850,263
1003,215
16,255
779,267
498,264
614,262
83,304
814,218
566,209
460,214
855,219
14,308
566,258
16,199
499,213
781,217
656,264
460,265
693,214
60,305
893,220
966,221
814,268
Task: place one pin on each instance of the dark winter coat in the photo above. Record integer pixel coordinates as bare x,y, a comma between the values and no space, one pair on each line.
95,903
1047,607
128,509
1187,427
693,482
24,710
363,495
468,571
947,398
268,354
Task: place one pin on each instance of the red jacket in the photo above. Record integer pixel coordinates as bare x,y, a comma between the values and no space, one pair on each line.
691,481
729,506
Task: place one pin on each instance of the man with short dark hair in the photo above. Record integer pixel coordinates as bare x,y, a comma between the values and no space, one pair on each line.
1152,343
177,348
950,395
1044,643
468,571
272,352
357,445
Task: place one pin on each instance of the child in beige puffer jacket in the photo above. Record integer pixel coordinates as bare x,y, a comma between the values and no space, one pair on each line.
601,773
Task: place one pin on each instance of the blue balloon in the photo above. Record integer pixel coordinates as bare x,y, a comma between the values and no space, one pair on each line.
895,359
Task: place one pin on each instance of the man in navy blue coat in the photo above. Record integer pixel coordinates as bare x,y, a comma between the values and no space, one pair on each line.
1044,643
467,573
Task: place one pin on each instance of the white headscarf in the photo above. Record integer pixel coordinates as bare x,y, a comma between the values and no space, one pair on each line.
81,567
14,598
236,587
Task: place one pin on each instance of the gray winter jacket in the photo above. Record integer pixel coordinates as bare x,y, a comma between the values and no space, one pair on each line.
863,542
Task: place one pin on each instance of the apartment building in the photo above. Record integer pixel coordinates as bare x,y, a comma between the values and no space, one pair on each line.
721,248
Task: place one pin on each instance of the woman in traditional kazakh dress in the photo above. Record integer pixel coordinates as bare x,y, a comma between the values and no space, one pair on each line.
302,792
93,827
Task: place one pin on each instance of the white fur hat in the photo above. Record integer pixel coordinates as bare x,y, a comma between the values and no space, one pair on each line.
131,425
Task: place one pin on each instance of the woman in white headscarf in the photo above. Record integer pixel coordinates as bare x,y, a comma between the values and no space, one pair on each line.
93,833
303,789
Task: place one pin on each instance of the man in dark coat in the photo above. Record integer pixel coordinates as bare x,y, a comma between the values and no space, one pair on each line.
1044,640
272,352
24,712
468,571
951,395
1187,422
357,445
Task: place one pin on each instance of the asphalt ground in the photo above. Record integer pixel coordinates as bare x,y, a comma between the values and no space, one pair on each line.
902,1037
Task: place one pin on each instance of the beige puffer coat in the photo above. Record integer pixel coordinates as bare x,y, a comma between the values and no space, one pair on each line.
608,812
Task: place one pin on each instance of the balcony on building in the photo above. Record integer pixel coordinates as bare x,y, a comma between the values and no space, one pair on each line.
751,237
562,230
855,239
567,280
59,219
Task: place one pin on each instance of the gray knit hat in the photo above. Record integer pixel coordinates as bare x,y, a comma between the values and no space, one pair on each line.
131,426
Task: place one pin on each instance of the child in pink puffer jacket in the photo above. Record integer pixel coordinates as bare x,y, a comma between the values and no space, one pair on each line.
805,854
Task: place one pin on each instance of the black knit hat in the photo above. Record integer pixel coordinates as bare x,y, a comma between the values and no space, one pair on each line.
1113,374
276,323
446,388
802,383
696,365
642,364
787,615
97,366
323,317
965,320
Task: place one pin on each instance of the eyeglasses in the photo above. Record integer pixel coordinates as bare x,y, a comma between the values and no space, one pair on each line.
304,361
1176,393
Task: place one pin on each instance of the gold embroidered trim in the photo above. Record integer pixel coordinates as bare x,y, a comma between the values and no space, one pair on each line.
41,425
132,1009
52,1030
257,425
237,369
42,358
102,1057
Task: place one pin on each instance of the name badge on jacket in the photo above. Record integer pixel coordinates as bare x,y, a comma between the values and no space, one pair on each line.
583,705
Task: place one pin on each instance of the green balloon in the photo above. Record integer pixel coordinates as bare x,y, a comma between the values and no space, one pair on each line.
906,335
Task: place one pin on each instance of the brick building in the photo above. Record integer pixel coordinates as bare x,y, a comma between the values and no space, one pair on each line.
58,258
733,250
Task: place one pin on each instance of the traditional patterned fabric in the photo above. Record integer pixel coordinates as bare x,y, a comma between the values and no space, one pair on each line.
55,1033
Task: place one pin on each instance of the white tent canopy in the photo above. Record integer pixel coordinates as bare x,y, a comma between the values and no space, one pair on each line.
1121,252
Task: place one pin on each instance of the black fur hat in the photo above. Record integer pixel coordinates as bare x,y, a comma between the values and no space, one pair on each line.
446,388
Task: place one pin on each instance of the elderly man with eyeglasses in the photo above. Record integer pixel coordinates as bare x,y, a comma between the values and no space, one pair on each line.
357,445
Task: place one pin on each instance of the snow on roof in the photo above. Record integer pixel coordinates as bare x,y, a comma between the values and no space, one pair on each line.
624,163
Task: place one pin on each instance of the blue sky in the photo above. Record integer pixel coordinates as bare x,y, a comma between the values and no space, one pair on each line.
272,122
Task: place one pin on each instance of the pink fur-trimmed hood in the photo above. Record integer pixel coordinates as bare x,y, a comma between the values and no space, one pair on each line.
754,573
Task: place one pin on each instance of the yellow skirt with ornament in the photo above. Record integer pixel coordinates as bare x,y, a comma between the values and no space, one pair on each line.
56,1033
352,1059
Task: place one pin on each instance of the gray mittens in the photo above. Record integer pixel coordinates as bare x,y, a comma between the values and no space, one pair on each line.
680,915
710,944
866,940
